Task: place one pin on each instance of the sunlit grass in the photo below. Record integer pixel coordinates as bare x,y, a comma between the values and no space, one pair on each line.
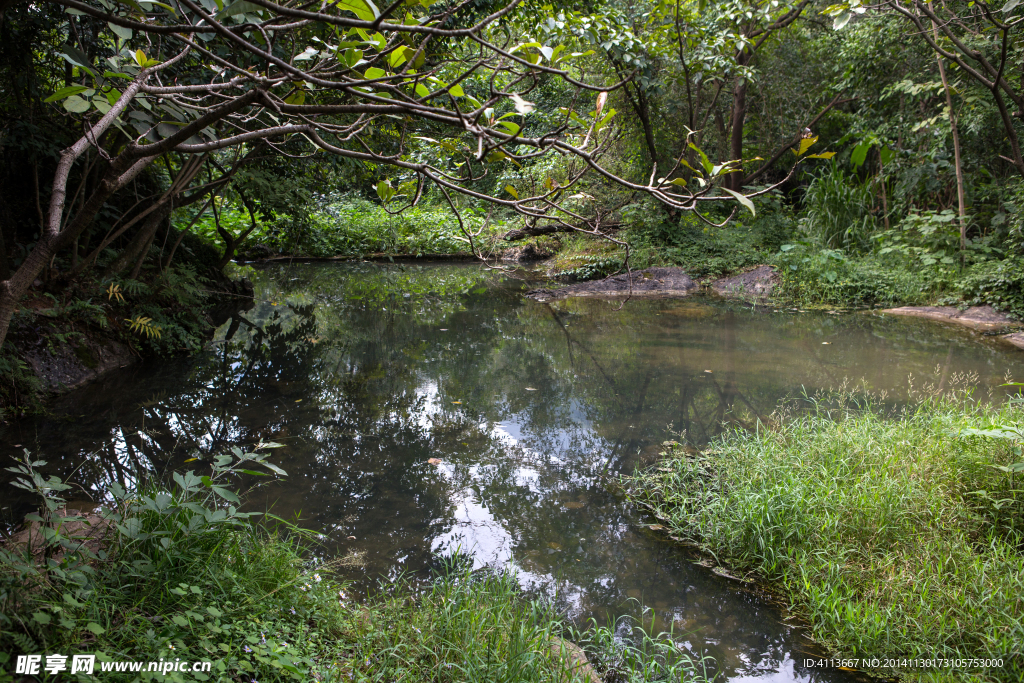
894,535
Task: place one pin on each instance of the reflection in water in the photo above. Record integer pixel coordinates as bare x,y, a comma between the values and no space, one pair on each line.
428,408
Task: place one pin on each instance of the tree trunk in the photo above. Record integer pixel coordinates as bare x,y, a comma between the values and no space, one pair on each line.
956,147
141,240
734,181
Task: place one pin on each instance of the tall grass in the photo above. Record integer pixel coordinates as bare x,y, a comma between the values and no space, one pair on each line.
838,210
896,536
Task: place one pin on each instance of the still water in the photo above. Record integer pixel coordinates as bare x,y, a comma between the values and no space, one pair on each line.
428,408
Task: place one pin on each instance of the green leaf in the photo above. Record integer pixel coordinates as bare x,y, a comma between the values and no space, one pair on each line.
67,91
457,91
41,617
1010,6
385,192
95,628
239,7
859,154
512,127
823,155
77,57
679,182
363,9
742,200
297,97
76,104
400,55
374,72
512,191
214,612
422,90
704,161
179,620
121,31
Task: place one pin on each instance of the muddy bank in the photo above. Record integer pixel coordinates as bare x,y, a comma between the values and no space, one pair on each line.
981,318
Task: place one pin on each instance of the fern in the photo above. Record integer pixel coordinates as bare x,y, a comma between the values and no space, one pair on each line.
144,326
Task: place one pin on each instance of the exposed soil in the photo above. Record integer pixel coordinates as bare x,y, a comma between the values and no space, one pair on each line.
757,283
652,282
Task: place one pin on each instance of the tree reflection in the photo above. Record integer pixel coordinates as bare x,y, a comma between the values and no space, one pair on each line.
367,373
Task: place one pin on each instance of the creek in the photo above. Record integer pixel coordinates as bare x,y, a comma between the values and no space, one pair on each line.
425,408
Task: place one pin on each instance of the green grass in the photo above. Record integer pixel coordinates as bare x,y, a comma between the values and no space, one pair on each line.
894,535
184,574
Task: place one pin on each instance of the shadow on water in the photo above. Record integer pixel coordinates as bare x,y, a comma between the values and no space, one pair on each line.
425,408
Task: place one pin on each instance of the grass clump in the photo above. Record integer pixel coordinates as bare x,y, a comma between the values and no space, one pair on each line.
180,572
896,536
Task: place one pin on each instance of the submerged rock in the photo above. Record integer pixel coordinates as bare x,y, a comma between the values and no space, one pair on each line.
976,317
650,282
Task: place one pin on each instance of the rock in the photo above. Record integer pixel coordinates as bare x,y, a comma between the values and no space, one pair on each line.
651,282
68,366
975,317
92,532
1017,339
575,658
757,283
525,254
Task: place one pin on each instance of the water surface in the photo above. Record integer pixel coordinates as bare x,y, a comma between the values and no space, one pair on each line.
427,408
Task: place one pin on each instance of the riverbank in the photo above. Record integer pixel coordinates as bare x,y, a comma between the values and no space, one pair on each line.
178,573
99,326
895,534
